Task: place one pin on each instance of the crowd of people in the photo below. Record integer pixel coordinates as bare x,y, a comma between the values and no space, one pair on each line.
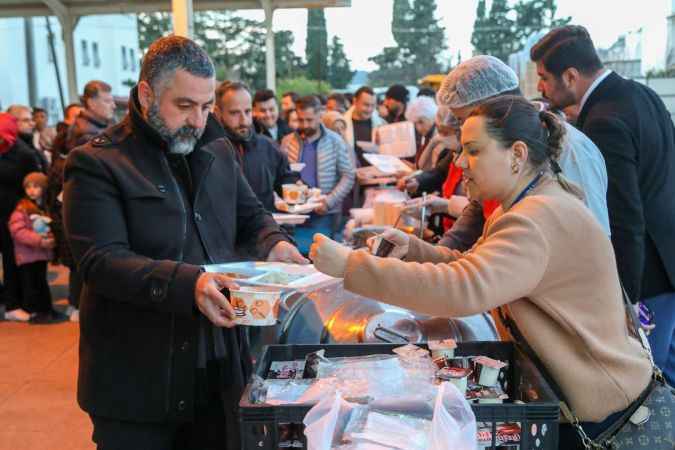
552,204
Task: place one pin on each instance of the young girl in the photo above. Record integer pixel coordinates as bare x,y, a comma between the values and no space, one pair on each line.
33,244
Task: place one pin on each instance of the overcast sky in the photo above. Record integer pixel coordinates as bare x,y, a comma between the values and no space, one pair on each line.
365,28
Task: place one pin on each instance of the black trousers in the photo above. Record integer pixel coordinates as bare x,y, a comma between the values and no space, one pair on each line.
206,432
35,288
11,294
74,287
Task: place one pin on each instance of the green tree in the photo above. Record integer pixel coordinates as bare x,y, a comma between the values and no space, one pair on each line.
505,29
152,26
288,63
302,86
235,44
340,72
420,42
536,15
494,34
316,48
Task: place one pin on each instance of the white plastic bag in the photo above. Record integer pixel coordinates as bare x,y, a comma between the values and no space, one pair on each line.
454,424
326,418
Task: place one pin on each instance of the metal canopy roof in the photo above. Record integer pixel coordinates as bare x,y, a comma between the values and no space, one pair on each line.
28,8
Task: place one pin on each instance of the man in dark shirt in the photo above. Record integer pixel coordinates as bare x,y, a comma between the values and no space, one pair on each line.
24,118
395,100
266,168
361,120
266,115
16,161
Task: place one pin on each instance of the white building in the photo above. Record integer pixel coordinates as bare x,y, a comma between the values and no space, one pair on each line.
106,48
625,55
670,48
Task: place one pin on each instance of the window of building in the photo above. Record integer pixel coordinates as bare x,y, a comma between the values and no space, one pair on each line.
95,55
125,60
132,59
85,53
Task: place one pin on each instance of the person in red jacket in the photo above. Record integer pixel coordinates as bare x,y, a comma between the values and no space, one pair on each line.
33,245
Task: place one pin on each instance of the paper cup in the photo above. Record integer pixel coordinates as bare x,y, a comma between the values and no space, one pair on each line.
256,306
487,370
294,194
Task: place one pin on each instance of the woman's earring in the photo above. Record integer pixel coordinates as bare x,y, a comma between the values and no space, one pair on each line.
515,168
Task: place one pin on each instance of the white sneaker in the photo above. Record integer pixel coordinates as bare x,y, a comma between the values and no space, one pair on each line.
17,315
75,315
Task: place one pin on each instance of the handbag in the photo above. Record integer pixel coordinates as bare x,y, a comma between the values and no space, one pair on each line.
648,424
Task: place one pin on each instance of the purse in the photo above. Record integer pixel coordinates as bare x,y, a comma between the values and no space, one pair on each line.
648,424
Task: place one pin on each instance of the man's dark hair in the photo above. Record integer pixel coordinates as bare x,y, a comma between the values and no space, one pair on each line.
340,98
69,107
363,90
37,109
426,92
398,92
263,95
170,53
227,86
566,47
293,95
306,102
93,88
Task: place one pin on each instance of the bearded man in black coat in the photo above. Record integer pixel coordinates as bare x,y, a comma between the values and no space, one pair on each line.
146,204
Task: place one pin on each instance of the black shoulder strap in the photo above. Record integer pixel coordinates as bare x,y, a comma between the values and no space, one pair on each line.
522,343
633,326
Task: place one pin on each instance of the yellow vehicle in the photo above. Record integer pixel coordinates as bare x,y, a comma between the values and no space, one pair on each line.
433,81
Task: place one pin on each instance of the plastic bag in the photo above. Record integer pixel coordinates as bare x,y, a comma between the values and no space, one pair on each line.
395,431
336,424
454,424
326,419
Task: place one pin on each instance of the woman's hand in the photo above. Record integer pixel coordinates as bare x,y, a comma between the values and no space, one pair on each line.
400,240
456,205
328,256
433,203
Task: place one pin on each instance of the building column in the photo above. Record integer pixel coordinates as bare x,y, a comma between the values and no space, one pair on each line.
270,57
68,23
183,23
30,60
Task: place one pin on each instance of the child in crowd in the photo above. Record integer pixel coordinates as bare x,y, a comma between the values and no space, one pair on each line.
33,245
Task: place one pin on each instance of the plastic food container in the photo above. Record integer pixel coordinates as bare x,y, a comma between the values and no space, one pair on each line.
294,194
444,349
256,306
487,370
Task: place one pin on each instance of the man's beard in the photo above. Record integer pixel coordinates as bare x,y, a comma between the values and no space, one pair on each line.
244,132
307,133
180,142
394,110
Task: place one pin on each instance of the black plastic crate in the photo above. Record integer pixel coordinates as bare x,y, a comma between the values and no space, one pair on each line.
521,380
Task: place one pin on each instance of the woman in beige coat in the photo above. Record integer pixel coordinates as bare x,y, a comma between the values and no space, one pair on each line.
542,256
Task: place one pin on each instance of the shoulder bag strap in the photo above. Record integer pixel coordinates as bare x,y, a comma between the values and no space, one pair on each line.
634,328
